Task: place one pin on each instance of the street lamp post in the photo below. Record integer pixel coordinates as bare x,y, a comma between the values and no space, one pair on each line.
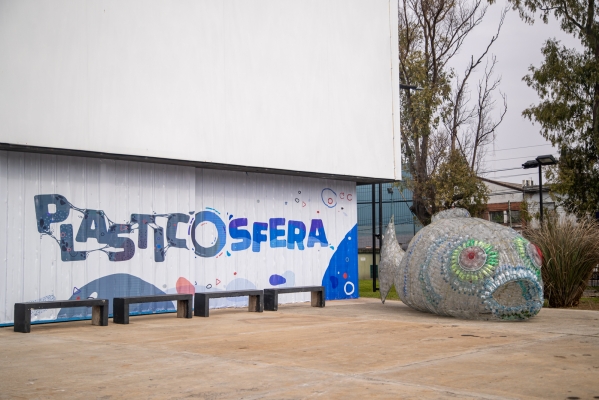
539,162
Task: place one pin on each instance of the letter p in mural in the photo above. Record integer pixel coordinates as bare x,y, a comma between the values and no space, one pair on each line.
44,216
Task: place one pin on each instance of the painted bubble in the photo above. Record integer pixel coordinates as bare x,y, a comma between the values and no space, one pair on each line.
184,286
275,280
329,197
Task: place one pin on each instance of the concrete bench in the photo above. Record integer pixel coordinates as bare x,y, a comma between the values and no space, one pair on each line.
201,303
120,308
23,311
271,296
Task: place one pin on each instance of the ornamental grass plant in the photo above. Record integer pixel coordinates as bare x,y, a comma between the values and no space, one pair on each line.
570,252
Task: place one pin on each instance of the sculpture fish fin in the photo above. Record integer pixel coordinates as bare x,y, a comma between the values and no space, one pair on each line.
451,213
391,255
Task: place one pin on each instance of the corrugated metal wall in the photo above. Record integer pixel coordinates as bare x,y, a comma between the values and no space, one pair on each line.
33,266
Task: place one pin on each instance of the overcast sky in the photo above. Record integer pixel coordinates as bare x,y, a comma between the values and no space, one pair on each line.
518,47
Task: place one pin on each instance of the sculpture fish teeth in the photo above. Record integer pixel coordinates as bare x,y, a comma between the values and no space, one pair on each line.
464,267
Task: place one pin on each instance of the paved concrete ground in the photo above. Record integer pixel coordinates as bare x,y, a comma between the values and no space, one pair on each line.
350,349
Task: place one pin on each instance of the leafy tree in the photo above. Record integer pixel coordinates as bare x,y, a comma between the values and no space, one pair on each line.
457,185
568,85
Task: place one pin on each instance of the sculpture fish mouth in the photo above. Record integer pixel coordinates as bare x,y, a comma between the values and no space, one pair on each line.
514,296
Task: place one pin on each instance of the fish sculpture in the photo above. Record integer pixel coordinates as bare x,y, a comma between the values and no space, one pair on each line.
467,268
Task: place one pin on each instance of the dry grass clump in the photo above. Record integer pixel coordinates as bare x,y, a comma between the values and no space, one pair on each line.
570,252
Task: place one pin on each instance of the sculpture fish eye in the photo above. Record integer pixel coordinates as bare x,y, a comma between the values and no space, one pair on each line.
535,254
530,253
473,260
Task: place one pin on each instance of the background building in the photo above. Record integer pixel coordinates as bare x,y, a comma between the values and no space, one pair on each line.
506,202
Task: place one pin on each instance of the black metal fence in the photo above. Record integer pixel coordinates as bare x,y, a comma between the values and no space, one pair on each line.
396,202
594,281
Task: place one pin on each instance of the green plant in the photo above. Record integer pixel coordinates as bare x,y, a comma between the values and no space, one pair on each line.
570,252
525,213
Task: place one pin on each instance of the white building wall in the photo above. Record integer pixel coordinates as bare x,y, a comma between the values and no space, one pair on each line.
288,84
502,194
549,203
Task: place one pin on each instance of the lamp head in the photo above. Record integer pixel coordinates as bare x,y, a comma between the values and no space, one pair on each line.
547,160
409,87
530,164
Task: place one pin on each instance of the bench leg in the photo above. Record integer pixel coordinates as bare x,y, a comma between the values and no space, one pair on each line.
200,305
120,311
318,299
271,300
183,308
22,318
256,303
100,315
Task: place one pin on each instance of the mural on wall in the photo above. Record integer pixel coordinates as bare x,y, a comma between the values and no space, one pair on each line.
468,268
81,228
93,225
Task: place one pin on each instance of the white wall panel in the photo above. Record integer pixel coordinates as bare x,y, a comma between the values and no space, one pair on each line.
14,227
291,84
48,264
5,297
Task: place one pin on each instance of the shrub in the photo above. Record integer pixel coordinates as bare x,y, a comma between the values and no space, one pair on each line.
570,252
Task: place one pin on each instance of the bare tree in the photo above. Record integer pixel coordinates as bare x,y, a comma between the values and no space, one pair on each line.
431,33
483,132
461,113
477,127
